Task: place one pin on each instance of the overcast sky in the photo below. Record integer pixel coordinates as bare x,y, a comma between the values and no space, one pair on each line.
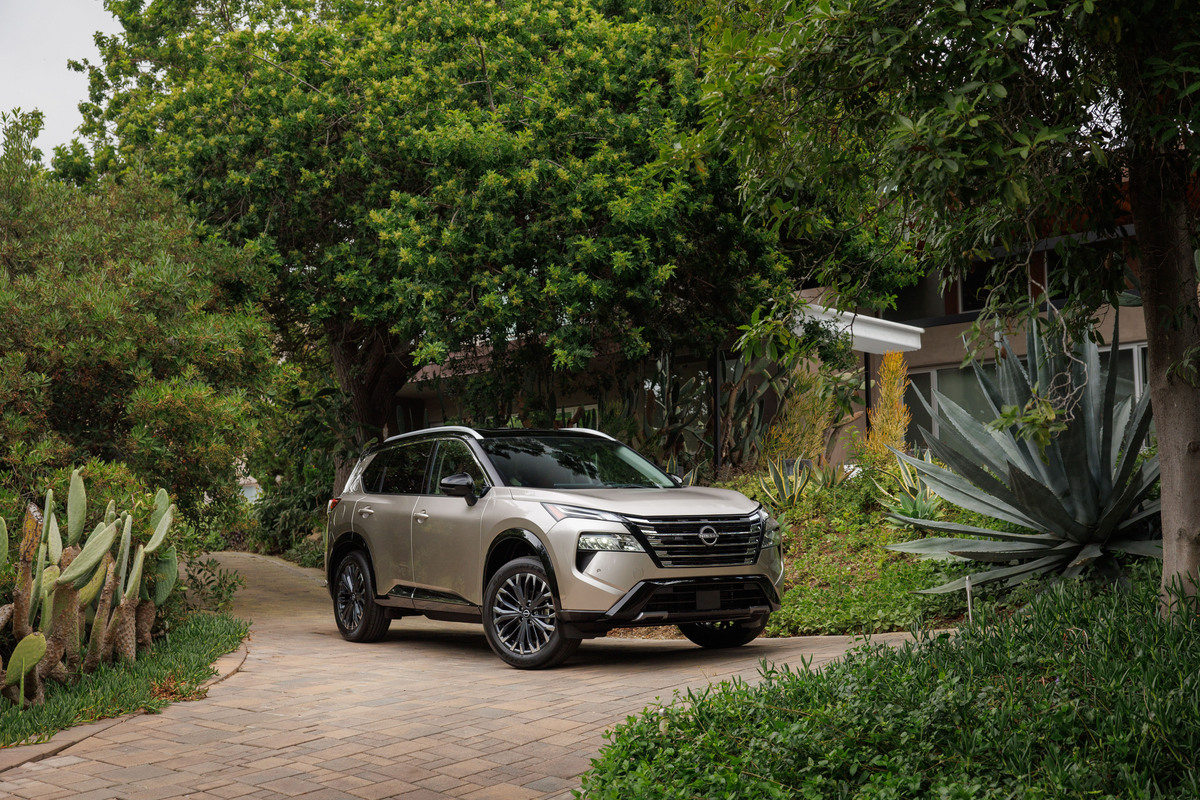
37,37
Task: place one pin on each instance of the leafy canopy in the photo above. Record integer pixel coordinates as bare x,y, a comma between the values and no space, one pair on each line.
433,177
125,337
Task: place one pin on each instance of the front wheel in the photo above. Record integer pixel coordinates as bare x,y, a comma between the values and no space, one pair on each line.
359,617
520,618
722,634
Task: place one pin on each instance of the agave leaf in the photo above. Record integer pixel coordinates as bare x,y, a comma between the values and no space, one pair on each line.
956,490
1021,571
1152,509
962,464
1120,423
1117,508
1087,553
996,449
1109,422
1036,495
994,556
1086,374
932,546
1131,442
971,530
1138,547
995,398
1081,489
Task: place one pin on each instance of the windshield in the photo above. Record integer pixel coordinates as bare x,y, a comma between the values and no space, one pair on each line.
563,462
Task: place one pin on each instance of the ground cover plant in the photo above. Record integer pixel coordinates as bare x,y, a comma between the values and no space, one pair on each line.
173,670
839,578
1090,694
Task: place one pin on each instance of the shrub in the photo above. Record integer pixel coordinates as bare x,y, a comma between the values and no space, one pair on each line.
888,419
1092,696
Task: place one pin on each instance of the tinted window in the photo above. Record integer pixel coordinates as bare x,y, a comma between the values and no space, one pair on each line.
561,462
399,469
453,457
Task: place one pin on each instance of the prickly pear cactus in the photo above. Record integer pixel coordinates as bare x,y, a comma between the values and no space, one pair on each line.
60,581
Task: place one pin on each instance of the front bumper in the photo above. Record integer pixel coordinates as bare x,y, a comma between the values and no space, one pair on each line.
670,601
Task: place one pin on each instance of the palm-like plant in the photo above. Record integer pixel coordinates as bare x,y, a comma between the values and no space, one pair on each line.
1082,492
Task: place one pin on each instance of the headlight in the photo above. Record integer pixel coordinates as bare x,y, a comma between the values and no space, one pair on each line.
772,531
561,512
611,542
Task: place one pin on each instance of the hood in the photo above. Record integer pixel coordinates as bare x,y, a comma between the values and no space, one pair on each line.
684,501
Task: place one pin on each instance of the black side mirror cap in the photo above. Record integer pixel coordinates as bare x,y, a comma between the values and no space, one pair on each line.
460,484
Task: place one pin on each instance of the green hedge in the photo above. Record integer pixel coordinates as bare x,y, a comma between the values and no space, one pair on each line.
1087,695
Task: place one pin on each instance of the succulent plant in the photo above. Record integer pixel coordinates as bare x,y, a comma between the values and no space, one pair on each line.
57,583
23,662
1083,496
910,498
784,486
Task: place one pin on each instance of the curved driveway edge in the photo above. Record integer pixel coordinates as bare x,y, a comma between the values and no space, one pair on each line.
429,712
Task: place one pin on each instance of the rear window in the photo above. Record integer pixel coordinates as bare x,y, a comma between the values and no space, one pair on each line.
561,462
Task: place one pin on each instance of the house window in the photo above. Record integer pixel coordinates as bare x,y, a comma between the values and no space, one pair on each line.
961,386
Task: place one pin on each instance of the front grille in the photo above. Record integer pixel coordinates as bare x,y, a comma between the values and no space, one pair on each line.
706,597
677,542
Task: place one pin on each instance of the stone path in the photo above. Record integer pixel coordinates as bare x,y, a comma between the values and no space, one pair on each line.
427,713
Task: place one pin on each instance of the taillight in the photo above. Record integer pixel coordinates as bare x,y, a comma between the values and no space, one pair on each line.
333,504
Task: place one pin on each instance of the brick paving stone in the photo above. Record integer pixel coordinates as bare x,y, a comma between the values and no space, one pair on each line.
426,714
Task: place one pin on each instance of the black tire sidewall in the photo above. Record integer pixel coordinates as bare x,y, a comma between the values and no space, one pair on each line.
556,650
374,623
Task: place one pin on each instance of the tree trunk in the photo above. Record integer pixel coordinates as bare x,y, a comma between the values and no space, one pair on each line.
1158,193
371,365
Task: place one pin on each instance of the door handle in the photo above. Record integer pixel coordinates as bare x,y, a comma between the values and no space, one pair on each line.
421,515
366,511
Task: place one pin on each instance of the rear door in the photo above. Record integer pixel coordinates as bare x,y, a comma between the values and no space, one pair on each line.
383,515
446,538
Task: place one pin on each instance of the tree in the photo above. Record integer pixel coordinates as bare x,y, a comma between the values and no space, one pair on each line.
125,337
440,178
993,125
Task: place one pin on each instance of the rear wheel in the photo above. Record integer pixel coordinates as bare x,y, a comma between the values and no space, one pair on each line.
722,634
520,617
359,618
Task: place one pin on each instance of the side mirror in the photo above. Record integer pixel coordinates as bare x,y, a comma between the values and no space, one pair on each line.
460,484
675,479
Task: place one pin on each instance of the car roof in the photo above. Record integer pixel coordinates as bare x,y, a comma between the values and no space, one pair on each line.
500,433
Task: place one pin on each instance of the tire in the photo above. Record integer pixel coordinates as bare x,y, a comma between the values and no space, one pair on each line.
359,618
722,634
520,617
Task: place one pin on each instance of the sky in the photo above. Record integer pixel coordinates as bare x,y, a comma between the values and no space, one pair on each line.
37,37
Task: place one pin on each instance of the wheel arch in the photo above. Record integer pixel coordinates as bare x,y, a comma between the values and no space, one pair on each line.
346,543
518,543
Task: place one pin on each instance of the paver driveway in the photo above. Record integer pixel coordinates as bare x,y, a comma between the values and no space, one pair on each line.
427,713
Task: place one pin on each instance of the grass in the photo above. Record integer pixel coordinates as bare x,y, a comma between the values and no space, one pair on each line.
172,670
1087,695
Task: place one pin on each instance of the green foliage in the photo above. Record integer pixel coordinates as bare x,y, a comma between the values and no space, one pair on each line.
173,670
980,129
910,498
1084,493
211,587
784,486
1092,695
839,581
125,338
430,178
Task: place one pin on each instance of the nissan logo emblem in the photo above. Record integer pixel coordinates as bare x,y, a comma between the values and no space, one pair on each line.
708,535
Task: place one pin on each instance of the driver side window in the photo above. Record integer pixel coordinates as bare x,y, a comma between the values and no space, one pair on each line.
454,456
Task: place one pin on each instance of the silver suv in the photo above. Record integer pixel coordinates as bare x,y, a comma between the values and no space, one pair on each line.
547,538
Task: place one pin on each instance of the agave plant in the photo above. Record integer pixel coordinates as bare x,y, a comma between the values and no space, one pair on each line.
1082,492
911,498
784,486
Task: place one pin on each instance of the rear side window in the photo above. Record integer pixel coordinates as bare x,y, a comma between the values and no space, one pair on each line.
400,469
